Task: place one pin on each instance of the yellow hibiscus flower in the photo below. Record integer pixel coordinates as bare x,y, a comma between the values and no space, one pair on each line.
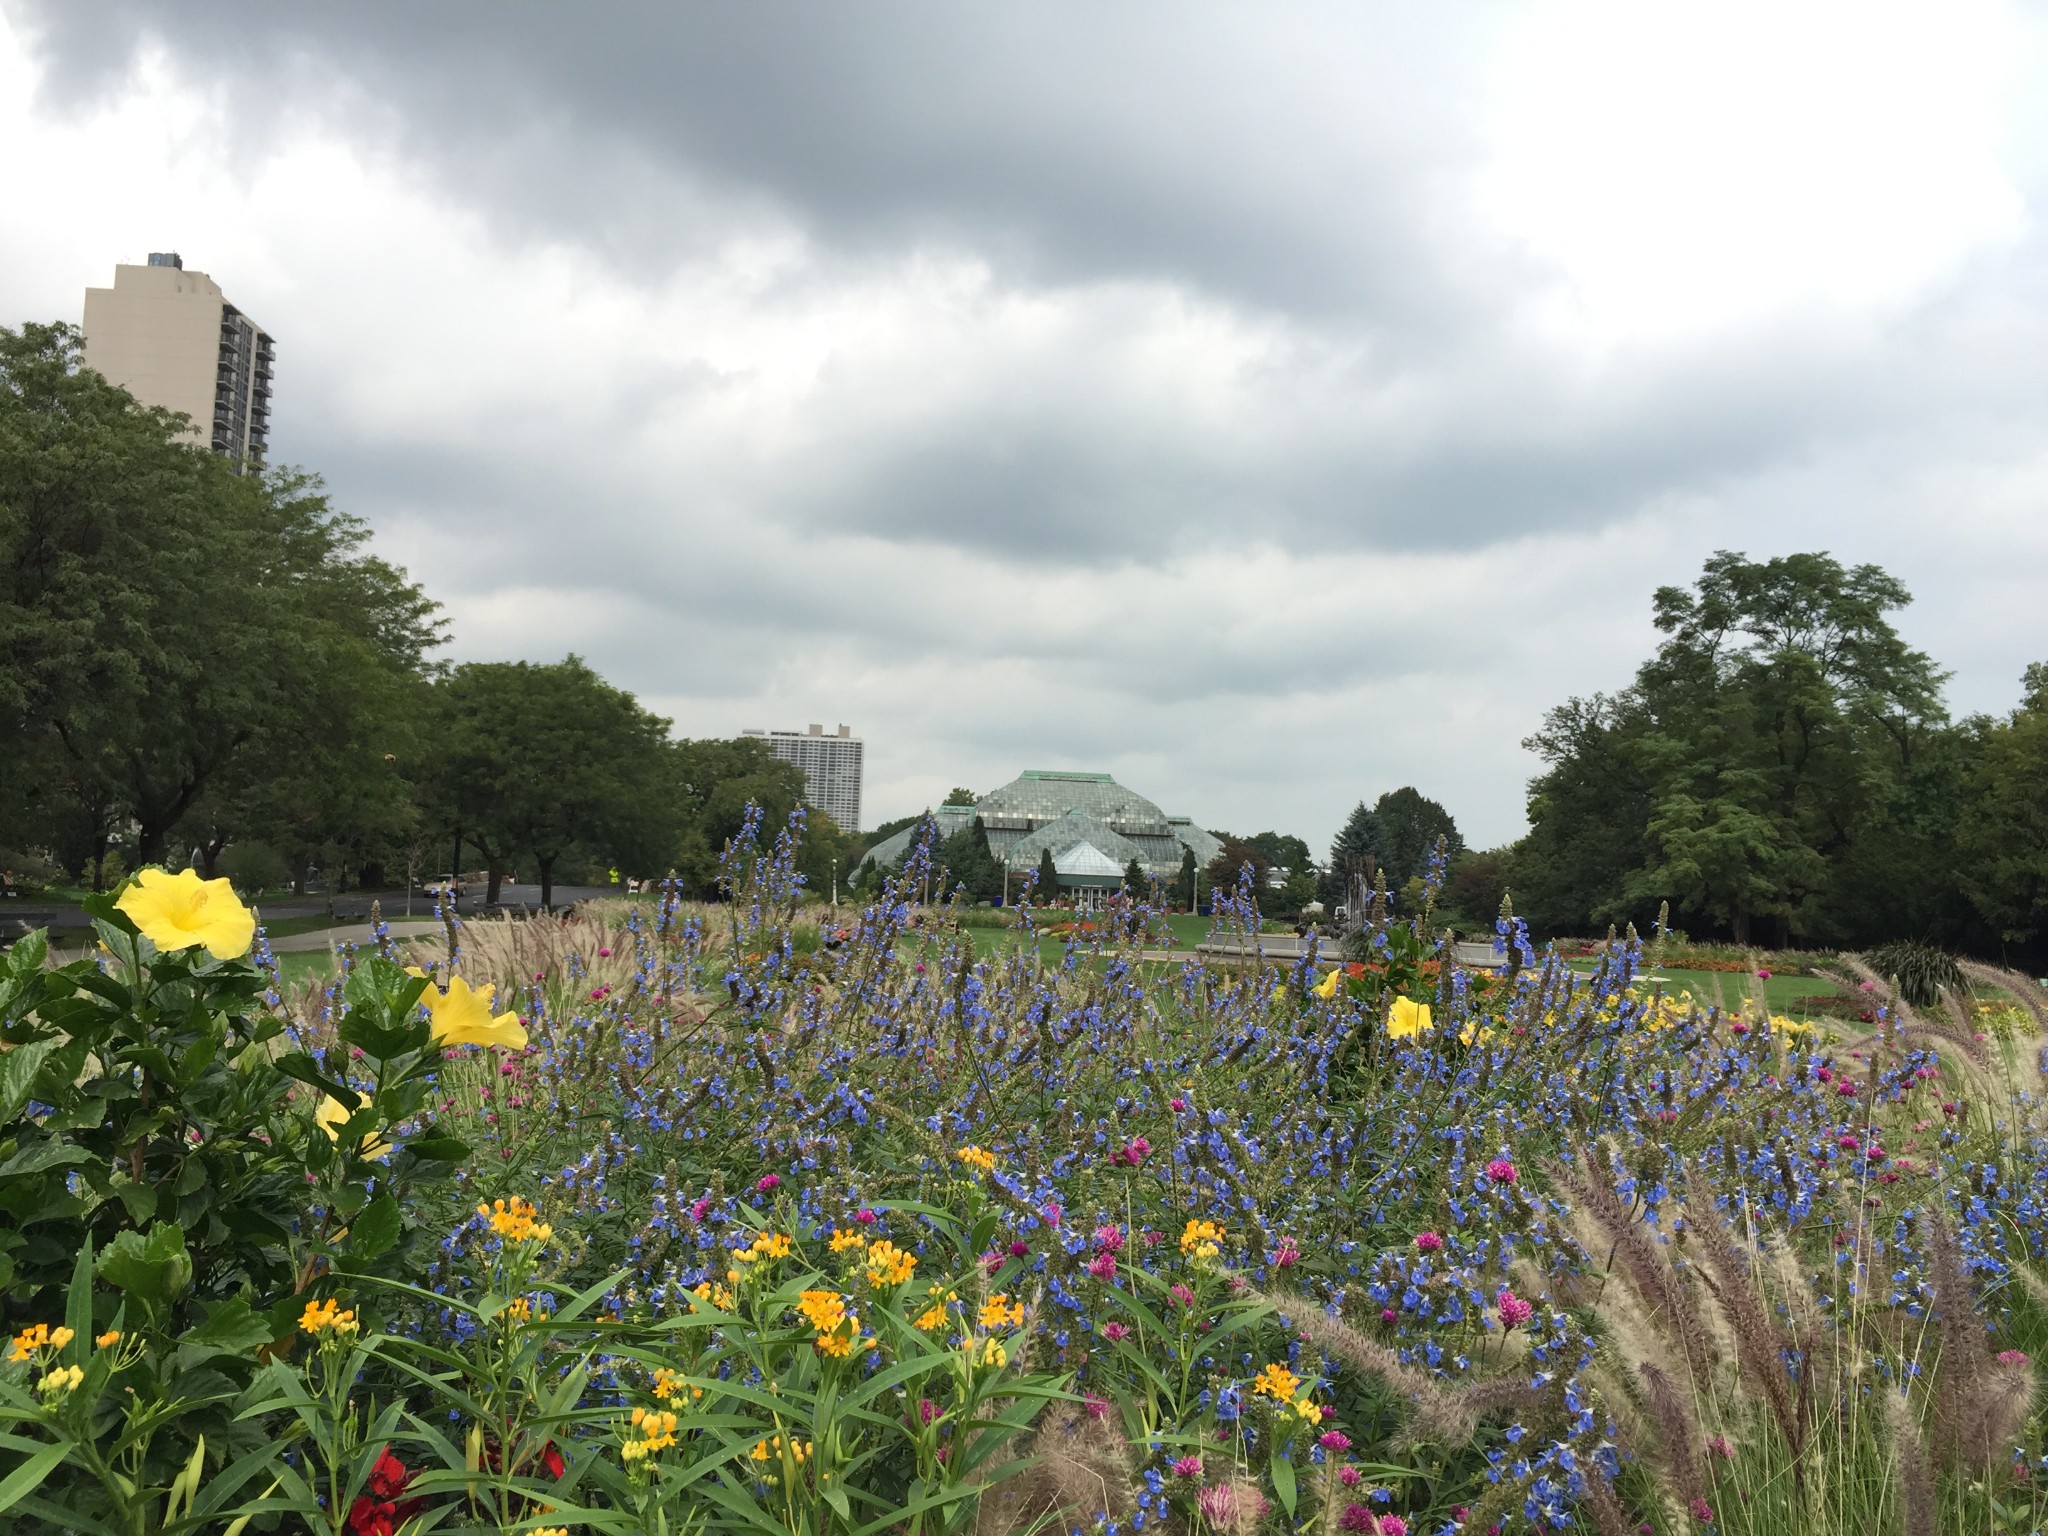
462,1016
1327,987
178,911
1408,1019
332,1115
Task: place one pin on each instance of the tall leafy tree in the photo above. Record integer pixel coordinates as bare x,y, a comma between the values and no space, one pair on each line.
969,863
163,619
1782,729
2004,835
716,781
542,760
1048,877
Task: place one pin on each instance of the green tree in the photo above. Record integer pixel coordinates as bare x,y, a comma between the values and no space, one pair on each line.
958,796
163,619
1136,881
2004,836
1228,865
969,863
716,780
540,760
1358,849
1184,890
1783,734
1048,877
1410,823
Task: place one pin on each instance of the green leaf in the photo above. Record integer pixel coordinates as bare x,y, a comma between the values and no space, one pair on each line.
39,1156
18,1071
375,1233
28,1477
1283,1481
302,1068
380,1043
438,1149
230,1329
152,1269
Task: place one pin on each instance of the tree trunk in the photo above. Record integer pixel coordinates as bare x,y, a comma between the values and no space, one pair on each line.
495,877
547,882
301,864
99,863
1740,923
209,855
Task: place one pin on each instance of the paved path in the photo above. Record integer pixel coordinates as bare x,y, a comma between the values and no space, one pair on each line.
353,933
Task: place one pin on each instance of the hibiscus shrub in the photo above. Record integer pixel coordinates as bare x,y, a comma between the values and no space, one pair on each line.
163,1176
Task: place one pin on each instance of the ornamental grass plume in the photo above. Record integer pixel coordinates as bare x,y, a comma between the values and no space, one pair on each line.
177,911
1759,1344
1080,1469
1671,1311
1916,1477
1978,1402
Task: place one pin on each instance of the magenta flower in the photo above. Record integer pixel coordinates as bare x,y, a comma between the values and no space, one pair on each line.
1763,975
1098,1407
1110,1238
1350,1477
1389,1316
2012,1357
1188,1466
1357,1517
1512,1309
1019,1249
1103,1266
1501,1171
1334,1440
768,1183
1428,1242
1702,1511
1182,1294
1052,1214
604,954
1115,1331
1177,1105
699,1209
1393,1525
864,1216
1287,1255
1720,1447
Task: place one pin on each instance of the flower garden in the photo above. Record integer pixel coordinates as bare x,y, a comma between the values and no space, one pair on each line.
672,1218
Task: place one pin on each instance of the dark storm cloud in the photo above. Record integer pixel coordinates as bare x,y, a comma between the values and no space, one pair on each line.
1272,157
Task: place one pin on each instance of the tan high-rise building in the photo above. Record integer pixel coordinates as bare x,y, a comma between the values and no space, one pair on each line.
170,338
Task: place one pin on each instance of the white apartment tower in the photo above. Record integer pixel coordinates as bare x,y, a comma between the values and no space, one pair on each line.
170,338
831,769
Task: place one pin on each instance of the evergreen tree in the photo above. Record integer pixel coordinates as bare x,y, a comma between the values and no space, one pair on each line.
1048,877
969,863
1410,823
1184,887
1135,879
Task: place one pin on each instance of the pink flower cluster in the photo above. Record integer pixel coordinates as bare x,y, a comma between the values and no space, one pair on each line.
1512,1309
1133,1152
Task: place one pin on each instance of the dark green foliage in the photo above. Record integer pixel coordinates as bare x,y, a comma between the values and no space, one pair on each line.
1136,881
969,864
1782,768
1358,849
1227,868
1048,876
958,796
2004,834
1410,824
535,762
1921,971
1184,886
166,1143
196,652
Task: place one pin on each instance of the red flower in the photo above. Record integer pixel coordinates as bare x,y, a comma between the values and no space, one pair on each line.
389,1477
551,1459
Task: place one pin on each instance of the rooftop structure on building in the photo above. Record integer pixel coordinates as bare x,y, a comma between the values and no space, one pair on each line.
1093,827
831,767
170,338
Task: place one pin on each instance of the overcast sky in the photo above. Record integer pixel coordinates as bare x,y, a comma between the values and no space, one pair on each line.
1272,405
